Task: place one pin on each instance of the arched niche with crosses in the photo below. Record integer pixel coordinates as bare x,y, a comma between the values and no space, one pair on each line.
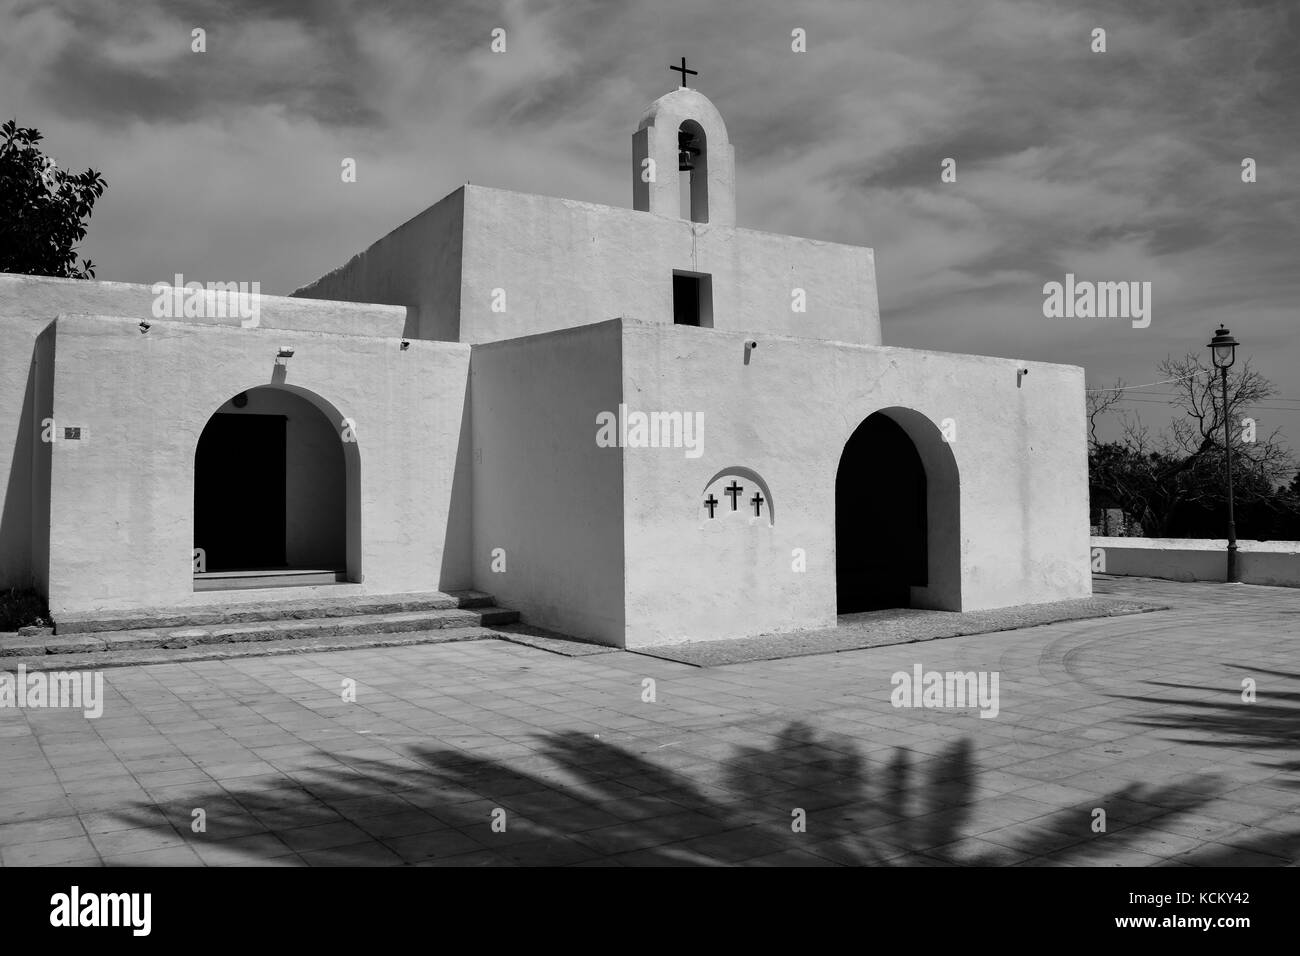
659,136
737,493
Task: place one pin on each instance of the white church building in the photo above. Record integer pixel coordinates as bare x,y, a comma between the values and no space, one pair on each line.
632,425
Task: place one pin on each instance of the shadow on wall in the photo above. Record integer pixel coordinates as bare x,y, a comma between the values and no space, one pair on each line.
16,518
576,798
457,570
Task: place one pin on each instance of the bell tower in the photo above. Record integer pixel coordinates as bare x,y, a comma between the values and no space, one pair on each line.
682,134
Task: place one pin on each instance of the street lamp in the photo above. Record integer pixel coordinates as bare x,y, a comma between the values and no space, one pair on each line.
1223,351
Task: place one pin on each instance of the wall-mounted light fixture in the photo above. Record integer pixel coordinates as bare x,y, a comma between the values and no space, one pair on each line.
406,344
750,345
145,326
1020,374
282,357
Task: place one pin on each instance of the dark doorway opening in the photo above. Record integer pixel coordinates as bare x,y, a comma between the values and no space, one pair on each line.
239,492
692,299
881,526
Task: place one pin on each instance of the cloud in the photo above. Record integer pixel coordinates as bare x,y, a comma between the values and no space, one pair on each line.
1122,165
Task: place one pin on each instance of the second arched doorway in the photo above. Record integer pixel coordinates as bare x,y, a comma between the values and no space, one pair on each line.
897,516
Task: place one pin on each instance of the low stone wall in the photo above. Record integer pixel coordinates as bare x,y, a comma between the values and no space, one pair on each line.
1198,559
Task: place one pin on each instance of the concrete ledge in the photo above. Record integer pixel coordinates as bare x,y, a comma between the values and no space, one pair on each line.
46,296
1275,563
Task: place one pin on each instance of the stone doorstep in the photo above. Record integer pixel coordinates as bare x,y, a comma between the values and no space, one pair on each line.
296,629
205,615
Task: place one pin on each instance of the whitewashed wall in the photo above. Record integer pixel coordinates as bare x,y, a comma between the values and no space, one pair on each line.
544,493
787,414
121,501
28,304
1275,563
563,263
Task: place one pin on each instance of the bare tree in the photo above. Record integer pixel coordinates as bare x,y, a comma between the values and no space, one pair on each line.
1199,434
1099,402
1152,476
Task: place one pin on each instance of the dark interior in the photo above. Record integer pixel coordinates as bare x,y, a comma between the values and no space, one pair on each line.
686,300
880,519
239,492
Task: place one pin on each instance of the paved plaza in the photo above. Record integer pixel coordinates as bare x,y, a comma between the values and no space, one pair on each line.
1117,741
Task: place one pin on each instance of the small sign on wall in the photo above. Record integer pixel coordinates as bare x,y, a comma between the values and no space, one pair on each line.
52,432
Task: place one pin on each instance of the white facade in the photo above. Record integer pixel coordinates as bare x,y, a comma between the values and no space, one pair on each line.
479,460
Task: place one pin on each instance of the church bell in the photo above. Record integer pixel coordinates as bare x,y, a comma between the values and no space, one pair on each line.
686,151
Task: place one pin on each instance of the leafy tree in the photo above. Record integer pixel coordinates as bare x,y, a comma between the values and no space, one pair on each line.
1172,482
43,208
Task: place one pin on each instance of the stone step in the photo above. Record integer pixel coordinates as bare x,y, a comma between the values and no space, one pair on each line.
238,580
224,632
244,612
216,652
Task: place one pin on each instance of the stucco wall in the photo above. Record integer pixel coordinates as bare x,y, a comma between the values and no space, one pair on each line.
544,492
418,264
787,414
29,304
563,263
122,499
1274,563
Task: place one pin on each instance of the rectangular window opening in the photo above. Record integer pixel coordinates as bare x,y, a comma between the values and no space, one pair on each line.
692,299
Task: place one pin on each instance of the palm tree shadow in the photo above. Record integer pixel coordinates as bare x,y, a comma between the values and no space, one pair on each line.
806,798
1271,722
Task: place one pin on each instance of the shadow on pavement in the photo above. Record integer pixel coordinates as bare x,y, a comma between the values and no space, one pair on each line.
1270,723
581,800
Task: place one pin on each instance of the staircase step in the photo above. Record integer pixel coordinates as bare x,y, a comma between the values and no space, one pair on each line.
210,615
61,661
277,630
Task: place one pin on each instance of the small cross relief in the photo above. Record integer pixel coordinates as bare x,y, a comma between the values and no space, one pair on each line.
736,496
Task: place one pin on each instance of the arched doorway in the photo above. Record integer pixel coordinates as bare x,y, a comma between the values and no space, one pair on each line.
897,522
276,489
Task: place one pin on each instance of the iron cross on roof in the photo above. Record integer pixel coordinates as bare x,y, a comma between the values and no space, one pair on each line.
683,71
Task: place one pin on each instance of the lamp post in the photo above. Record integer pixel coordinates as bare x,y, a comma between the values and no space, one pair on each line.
1223,351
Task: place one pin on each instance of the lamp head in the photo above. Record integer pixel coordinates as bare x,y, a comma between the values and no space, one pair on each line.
1223,348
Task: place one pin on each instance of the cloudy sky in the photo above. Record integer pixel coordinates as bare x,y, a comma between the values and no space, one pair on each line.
1123,165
